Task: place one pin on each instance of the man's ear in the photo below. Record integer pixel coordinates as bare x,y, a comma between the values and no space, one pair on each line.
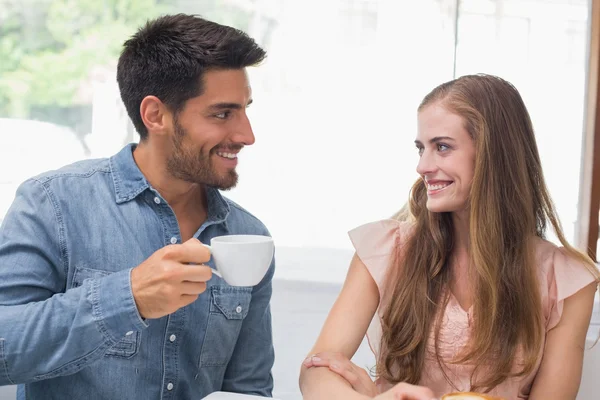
156,116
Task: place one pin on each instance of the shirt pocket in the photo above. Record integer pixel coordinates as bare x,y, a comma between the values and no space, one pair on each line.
229,306
124,348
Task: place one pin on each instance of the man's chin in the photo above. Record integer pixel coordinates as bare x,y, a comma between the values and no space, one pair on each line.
224,187
224,182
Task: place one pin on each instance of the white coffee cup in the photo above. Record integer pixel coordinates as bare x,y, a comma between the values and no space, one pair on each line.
241,260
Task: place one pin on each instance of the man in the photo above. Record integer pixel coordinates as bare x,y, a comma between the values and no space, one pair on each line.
101,295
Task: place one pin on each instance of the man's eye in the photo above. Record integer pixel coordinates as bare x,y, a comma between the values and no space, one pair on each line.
223,115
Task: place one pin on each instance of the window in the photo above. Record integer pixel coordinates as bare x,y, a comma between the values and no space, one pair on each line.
539,46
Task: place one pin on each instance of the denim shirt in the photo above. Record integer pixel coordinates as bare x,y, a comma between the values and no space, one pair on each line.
69,326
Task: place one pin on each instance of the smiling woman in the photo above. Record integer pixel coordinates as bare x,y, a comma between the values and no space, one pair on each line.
466,293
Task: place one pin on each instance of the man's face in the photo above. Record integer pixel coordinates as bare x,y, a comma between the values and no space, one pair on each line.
211,130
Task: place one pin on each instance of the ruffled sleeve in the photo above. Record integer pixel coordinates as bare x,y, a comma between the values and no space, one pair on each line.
375,243
567,276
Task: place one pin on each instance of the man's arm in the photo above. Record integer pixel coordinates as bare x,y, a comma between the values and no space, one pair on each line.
249,370
46,331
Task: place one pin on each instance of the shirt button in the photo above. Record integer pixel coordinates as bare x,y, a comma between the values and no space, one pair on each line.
157,200
238,309
173,240
170,386
172,338
129,333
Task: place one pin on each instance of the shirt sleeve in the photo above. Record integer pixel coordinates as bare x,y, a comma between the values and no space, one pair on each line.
567,276
375,244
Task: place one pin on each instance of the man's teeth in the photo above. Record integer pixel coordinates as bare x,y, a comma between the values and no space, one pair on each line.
227,155
438,186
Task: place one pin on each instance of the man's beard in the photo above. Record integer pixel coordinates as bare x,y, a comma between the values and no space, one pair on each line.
197,168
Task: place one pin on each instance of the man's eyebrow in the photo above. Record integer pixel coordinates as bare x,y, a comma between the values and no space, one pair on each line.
228,106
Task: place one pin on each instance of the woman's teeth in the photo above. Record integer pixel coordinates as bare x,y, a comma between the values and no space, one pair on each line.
438,186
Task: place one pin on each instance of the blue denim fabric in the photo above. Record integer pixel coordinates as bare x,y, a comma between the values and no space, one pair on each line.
69,326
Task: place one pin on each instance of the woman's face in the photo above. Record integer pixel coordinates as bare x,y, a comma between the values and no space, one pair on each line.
447,158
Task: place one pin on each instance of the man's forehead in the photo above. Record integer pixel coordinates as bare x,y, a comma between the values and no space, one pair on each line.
223,89
215,81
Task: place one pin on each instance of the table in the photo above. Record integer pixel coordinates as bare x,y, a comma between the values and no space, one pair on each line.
233,396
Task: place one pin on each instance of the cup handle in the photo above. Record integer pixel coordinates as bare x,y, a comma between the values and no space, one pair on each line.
214,271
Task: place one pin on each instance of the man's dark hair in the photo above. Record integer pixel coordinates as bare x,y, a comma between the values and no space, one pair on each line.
167,57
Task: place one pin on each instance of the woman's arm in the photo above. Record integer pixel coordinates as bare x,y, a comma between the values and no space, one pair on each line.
343,332
560,372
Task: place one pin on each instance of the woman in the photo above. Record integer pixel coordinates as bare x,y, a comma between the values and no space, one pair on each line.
466,292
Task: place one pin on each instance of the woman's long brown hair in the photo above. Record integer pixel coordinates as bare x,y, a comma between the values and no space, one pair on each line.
509,205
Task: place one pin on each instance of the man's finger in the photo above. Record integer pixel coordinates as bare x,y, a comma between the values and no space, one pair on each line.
192,288
195,273
192,251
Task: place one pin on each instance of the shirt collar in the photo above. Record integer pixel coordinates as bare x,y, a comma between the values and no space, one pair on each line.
129,183
128,179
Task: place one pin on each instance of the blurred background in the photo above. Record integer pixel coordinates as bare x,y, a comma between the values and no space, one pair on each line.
334,112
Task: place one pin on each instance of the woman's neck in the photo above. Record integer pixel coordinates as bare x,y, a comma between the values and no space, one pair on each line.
460,224
461,281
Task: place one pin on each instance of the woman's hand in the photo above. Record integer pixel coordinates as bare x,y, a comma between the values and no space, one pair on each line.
405,391
336,362
360,380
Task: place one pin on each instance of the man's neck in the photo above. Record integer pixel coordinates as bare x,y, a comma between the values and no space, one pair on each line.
183,197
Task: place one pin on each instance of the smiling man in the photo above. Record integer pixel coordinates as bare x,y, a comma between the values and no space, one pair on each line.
98,297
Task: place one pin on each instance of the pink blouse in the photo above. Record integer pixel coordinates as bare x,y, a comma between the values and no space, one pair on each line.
560,277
